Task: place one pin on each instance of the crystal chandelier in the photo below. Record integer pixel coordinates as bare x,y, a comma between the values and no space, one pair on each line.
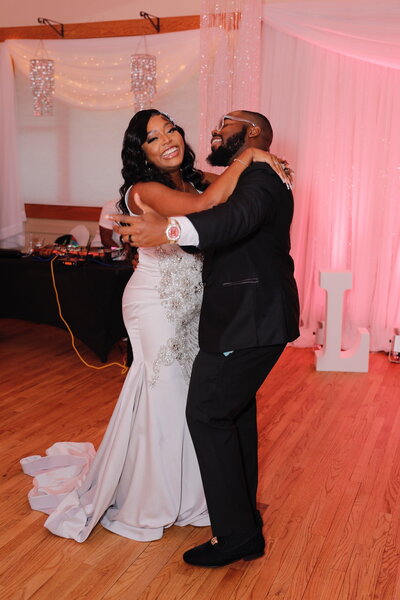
143,79
41,75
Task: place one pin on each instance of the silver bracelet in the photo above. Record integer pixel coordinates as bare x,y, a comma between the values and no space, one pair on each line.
243,163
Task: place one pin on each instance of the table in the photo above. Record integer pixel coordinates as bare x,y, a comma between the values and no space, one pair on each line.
90,296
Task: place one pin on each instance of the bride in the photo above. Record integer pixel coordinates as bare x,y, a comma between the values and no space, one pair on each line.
144,476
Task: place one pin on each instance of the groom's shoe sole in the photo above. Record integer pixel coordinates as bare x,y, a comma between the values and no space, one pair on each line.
253,556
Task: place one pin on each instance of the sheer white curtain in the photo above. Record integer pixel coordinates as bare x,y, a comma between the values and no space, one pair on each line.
12,214
73,157
230,48
95,73
331,87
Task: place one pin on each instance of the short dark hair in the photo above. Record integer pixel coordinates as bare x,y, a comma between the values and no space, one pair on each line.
135,168
263,123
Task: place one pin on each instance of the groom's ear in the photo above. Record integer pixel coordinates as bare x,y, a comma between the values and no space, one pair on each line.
253,131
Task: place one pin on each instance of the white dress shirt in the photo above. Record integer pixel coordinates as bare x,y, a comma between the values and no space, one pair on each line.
189,235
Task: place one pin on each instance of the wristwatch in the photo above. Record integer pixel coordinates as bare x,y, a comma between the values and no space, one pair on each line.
173,231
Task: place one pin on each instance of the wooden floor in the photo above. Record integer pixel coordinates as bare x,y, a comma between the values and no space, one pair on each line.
329,485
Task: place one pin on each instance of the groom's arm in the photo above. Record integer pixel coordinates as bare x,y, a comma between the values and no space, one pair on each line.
253,201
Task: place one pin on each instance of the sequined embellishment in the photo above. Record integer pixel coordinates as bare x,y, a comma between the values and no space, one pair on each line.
181,292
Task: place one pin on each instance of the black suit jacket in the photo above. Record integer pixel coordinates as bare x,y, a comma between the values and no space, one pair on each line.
250,294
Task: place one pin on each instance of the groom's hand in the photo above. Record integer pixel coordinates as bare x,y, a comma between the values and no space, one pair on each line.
144,230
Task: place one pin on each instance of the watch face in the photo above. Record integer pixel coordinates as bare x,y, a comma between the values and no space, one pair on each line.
173,232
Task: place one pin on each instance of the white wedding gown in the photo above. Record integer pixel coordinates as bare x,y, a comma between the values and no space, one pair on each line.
144,476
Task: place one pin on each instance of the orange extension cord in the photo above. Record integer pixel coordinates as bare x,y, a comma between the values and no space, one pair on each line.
123,366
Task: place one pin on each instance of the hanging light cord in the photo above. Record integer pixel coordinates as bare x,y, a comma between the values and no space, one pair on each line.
117,364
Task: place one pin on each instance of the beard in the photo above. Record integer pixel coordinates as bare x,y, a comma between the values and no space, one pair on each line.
222,156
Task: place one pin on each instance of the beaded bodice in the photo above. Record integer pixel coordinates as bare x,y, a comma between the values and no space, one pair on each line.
181,290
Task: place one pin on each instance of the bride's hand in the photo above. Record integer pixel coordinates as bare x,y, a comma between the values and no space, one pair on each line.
279,165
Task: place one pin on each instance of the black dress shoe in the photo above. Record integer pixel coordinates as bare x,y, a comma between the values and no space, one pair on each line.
215,554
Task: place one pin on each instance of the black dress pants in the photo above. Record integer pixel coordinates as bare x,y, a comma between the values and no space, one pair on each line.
221,415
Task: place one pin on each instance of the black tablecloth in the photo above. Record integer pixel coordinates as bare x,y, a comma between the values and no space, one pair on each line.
90,297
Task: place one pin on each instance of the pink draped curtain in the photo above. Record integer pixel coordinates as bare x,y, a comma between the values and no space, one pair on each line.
330,83
331,87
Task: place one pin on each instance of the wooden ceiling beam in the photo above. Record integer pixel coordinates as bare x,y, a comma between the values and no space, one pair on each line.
101,29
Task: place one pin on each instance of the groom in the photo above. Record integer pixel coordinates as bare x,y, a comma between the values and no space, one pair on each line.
250,311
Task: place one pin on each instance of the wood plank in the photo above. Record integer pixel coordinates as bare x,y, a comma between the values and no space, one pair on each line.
101,29
63,211
329,485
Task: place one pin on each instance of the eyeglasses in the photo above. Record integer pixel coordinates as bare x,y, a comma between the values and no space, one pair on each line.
231,118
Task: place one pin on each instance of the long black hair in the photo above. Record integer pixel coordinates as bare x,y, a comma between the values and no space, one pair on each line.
135,167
